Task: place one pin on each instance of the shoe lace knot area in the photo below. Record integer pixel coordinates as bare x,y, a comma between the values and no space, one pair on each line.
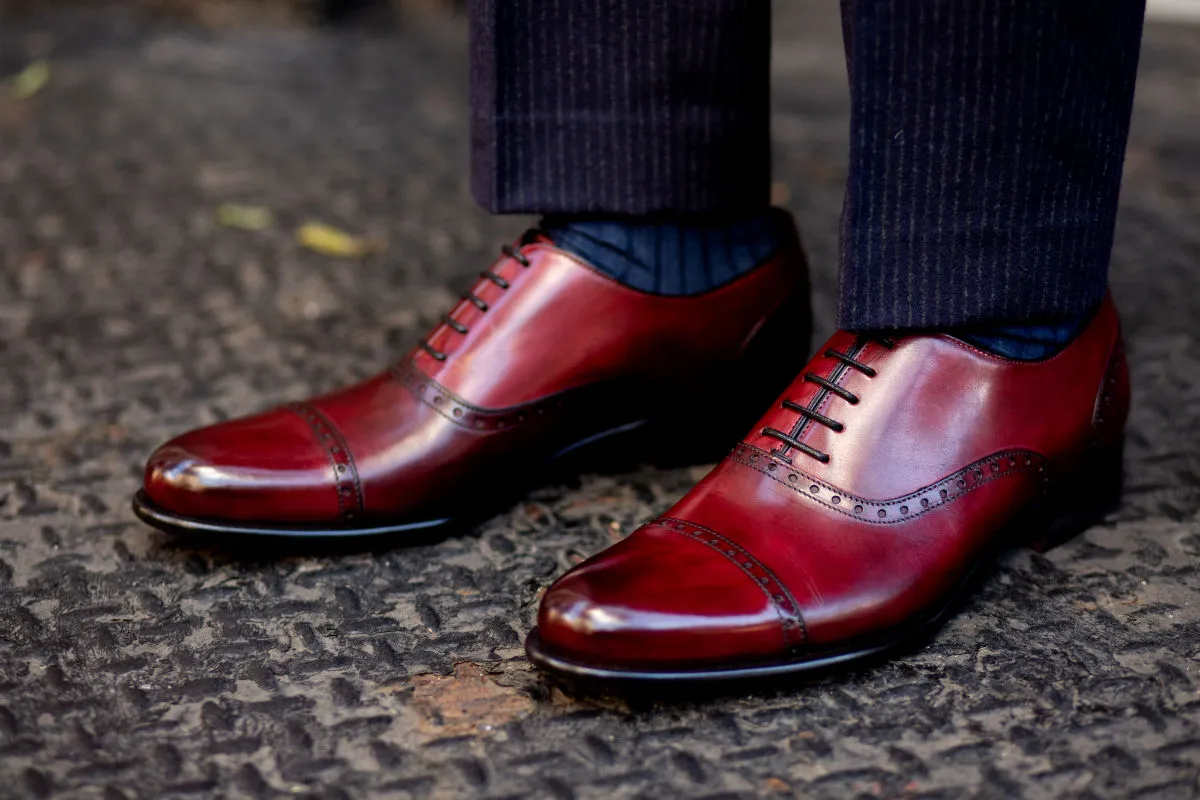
828,386
510,251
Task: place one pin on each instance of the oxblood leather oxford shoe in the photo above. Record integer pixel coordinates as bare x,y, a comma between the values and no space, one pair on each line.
854,514
544,356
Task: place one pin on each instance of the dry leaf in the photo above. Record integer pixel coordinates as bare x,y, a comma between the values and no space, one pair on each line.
31,80
330,241
247,218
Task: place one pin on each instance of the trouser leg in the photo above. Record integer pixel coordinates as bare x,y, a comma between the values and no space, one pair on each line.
620,106
986,145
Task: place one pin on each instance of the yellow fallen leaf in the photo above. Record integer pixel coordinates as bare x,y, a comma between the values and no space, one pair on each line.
330,241
30,80
247,218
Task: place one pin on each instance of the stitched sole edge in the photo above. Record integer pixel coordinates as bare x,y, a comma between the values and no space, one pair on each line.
151,514
573,669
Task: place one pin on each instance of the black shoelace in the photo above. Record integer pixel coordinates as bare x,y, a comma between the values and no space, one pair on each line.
809,414
475,300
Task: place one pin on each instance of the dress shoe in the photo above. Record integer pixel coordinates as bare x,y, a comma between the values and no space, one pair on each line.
855,513
544,357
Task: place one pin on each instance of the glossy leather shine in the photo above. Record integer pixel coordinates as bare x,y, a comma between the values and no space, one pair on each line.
554,353
778,559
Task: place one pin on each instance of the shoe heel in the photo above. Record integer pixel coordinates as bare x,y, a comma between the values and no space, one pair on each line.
1081,503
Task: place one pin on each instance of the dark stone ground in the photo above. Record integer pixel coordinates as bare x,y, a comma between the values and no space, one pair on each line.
132,667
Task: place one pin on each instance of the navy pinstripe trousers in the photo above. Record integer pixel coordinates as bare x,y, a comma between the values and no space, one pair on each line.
986,136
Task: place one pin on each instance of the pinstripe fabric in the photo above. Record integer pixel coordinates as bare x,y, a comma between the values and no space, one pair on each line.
987,139
620,106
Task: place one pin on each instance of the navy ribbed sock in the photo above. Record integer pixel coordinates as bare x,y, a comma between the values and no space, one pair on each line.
672,256
1029,342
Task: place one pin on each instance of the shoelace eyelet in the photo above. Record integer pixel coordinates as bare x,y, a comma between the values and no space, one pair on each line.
809,413
456,326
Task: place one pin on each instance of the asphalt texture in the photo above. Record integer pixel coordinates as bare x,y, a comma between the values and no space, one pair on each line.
136,666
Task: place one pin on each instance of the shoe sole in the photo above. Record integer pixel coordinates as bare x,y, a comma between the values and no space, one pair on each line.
148,512
577,670
1040,529
158,517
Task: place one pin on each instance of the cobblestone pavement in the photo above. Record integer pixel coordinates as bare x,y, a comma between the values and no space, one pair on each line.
134,667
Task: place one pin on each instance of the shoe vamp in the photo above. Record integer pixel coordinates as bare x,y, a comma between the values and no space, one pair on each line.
852,572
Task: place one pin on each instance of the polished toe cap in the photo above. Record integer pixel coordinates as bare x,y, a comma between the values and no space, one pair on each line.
669,595
271,466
